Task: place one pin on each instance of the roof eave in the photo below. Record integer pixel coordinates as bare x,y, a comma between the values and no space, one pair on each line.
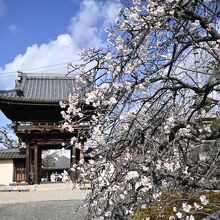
28,101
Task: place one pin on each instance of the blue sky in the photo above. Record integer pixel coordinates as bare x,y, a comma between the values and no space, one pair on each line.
39,33
26,22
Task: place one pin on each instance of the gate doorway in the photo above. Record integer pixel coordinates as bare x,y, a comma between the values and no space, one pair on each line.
55,166
36,174
19,170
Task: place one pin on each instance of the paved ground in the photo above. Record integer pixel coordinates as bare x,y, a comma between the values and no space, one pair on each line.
43,203
43,195
45,210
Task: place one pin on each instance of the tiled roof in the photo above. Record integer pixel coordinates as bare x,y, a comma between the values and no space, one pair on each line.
41,88
12,153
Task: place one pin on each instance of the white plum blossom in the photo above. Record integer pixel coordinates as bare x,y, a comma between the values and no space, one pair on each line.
143,97
196,22
78,145
145,168
146,182
91,97
197,206
191,217
108,214
73,140
203,156
186,172
185,131
119,40
166,129
170,121
186,207
122,196
204,200
104,86
108,57
62,104
159,164
134,16
132,175
170,166
112,101
125,25
179,215
156,195
136,2
128,156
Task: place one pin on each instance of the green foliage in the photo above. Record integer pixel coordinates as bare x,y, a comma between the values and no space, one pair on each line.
48,161
216,124
169,201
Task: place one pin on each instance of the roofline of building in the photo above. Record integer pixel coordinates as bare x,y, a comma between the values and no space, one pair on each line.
12,158
24,101
29,102
45,75
9,154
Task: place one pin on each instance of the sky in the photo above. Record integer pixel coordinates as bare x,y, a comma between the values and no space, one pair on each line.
35,34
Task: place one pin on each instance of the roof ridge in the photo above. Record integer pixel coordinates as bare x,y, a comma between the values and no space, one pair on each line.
41,89
50,77
13,149
45,75
8,91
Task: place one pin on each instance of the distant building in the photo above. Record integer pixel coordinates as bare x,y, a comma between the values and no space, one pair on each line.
61,163
12,165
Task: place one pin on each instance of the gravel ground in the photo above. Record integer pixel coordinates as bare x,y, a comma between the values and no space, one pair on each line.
44,210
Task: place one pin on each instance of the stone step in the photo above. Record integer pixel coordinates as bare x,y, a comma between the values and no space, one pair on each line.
42,187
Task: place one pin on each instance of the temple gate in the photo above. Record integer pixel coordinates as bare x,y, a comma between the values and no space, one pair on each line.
33,107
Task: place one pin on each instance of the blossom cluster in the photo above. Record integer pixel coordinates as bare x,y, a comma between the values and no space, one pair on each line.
147,90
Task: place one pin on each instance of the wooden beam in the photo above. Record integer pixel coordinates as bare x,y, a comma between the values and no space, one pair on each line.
36,165
27,163
49,128
82,151
39,164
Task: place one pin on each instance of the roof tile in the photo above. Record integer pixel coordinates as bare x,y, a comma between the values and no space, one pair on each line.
12,153
53,88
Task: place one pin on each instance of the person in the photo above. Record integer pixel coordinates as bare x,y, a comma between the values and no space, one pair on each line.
56,176
52,177
65,176
59,178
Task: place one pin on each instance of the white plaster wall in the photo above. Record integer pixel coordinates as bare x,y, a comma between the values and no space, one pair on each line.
6,172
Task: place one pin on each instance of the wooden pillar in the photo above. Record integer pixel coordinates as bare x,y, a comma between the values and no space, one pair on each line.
40,163
73,174
36,165
27,163
82,151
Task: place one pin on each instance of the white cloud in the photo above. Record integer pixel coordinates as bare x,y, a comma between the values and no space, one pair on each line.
83,32
2,7
88,26
84,26
12,28
57,51
111,12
